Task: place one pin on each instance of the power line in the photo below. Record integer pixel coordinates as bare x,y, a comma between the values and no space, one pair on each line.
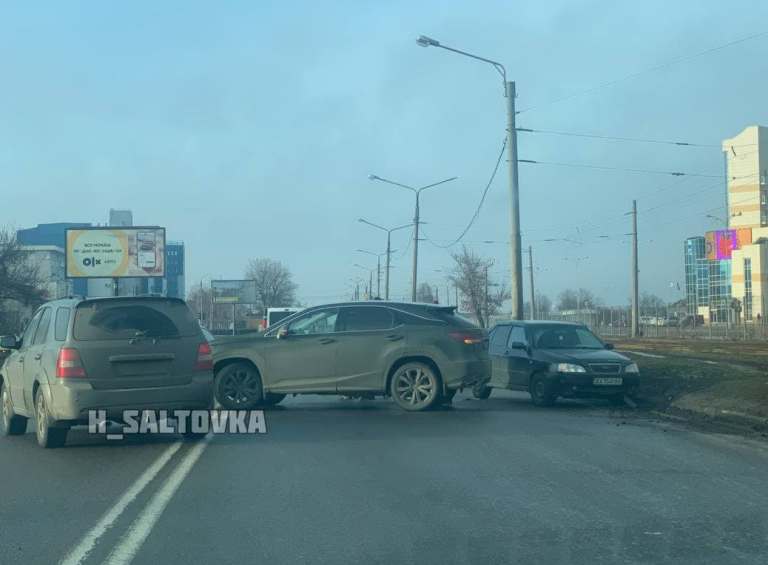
636,74
626,170
479,205
617,138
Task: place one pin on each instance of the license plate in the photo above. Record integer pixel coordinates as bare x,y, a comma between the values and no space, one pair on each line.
608,381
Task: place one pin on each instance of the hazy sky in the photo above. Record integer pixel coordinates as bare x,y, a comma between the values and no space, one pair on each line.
249,128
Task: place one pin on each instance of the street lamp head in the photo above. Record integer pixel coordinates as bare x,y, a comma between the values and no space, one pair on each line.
373,177
425,41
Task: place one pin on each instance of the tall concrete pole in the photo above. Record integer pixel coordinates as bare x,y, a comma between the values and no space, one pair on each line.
533,294
415,249
515,251
386,274
635,271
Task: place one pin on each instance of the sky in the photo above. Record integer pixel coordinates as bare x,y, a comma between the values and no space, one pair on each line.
249,129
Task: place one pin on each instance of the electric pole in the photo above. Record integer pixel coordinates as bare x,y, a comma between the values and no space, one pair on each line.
533,295
635,271
485,324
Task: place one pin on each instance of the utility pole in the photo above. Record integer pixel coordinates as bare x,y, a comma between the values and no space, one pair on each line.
370,284
437,294
515,259
378,276
415,250
485,317
386,275
533,294
635,271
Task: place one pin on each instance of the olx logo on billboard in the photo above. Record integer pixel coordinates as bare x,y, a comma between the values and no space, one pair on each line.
91,261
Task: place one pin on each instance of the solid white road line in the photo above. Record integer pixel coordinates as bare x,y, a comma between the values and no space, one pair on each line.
641,354
142,526
81,551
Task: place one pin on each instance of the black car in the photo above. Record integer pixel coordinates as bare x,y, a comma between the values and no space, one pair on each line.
556,359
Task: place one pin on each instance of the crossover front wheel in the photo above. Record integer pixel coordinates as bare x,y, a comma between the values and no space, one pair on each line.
238,387
13,425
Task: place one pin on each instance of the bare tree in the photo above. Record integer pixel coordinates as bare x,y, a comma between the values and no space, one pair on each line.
211,315
543,306
19,279
20,284
424,293
571,299
480,295
274,283
651,305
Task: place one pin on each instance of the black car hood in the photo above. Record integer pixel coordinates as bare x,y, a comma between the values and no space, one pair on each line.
580,356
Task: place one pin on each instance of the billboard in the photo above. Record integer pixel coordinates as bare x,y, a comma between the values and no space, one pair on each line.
115,252
234,292
720,244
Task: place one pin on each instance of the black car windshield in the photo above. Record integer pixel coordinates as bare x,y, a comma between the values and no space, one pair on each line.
564,337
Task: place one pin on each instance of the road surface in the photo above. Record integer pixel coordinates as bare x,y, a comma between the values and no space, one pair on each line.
339,481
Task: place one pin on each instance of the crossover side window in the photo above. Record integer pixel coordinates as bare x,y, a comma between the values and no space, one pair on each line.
365,318
317,322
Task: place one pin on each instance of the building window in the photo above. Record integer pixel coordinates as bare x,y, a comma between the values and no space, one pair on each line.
747,289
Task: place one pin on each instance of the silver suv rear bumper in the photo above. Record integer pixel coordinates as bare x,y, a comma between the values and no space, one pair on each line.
72,400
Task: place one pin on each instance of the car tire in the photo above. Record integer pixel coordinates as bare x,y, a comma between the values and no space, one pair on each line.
481,391
272,399
238,387
48,437
415,386
541,391
12,425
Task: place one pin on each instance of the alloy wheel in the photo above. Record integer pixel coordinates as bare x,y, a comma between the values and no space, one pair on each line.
240,386
415,386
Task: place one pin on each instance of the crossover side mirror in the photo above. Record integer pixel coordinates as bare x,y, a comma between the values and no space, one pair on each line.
282,333
609,346
9,342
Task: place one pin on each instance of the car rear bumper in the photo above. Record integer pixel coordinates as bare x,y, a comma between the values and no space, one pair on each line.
72,400
466,372
583,384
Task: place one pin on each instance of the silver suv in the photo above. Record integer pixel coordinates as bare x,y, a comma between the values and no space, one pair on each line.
110,354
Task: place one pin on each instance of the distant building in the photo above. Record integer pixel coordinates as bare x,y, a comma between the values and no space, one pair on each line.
173,283
48,261
696,275
53,235
736,255
120,218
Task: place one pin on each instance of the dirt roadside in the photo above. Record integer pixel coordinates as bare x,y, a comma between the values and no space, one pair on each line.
703,382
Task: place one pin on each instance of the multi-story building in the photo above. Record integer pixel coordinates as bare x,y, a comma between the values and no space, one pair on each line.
696,275
172,284
730,281
53,235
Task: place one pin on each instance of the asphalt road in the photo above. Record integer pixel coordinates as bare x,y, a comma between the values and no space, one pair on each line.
337,481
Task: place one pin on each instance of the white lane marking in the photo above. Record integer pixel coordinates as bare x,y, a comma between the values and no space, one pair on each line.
641,354
81,551
142,526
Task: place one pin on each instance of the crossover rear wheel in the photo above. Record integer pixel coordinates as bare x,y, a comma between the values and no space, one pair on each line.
415,386
12,425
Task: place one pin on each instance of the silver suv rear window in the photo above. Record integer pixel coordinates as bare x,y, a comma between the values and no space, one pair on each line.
124,319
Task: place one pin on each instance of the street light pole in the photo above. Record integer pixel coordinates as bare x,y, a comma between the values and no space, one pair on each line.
389,250
516,259
417,192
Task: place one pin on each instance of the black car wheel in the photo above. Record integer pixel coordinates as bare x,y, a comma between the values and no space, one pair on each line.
12,425
541,391
238,387
481,391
